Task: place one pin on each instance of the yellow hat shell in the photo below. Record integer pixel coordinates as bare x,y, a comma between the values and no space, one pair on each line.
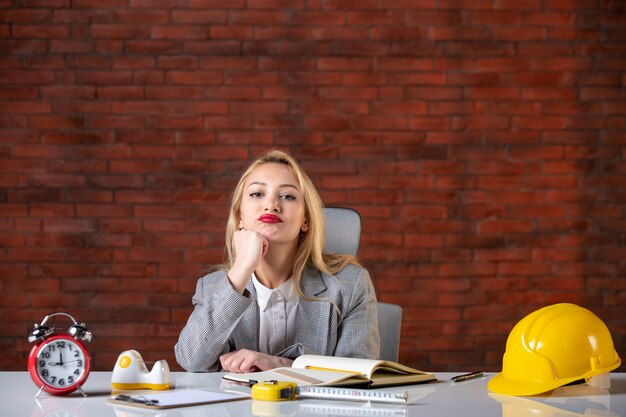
554,346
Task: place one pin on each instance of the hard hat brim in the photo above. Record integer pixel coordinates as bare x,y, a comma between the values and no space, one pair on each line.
502,385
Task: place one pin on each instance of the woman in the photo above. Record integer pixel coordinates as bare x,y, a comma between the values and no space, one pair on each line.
277,296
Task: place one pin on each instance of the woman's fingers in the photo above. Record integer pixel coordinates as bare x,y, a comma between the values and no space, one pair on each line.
240,361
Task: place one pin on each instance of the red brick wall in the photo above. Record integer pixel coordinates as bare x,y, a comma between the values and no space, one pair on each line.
482,141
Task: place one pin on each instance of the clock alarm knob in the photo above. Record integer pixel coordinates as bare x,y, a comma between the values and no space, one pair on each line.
40,332
80,332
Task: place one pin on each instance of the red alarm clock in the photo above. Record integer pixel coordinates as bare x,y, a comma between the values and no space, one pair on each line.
59,363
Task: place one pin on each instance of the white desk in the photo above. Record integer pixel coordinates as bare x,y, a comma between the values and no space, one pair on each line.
440,399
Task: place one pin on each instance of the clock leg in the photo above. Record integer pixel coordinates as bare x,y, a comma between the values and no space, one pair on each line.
39,392
80,389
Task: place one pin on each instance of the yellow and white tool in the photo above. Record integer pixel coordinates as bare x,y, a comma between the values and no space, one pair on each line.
274,391
130,373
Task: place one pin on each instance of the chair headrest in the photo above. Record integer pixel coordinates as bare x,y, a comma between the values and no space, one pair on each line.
342,230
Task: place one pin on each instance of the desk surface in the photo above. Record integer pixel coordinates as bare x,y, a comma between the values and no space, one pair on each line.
440,399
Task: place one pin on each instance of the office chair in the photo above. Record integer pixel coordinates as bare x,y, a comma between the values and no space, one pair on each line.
342,235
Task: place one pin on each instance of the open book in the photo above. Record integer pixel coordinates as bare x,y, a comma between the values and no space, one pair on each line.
337,371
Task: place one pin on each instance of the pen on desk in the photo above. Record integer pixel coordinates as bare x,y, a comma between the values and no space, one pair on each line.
465,377
140,399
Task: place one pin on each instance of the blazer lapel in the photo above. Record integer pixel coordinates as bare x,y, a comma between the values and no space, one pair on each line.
313,317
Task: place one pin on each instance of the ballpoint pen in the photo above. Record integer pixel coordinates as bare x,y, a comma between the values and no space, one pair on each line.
139,399
465,377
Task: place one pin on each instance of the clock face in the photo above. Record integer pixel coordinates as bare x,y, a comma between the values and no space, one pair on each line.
61,363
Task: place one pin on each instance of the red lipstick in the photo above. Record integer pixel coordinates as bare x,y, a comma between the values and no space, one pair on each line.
270,218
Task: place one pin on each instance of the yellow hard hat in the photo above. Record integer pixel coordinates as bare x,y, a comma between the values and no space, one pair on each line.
554,346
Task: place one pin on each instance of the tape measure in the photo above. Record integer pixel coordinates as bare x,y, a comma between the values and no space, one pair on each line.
274,391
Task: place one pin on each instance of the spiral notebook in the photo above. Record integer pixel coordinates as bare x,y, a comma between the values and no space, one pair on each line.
177,398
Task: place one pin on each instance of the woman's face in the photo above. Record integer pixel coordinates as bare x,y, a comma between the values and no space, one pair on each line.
272,204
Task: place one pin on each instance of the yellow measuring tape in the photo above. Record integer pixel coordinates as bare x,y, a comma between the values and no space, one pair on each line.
274,391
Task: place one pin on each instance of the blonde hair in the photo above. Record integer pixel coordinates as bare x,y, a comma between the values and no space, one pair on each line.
311,244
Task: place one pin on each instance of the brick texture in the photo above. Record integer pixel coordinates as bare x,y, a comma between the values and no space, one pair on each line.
484,144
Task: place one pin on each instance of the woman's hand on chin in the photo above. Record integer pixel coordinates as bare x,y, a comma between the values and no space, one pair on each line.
250,248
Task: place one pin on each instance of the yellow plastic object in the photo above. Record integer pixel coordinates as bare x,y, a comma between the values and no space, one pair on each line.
141,385
552,347
130,373
274,391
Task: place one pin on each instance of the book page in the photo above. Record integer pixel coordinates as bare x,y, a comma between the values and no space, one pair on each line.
381,379
398,369
367,367
362,366
298,376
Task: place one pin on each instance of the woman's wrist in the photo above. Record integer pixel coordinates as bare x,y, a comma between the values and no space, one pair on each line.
286,361
238,278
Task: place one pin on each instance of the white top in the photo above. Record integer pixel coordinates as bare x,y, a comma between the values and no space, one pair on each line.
277,316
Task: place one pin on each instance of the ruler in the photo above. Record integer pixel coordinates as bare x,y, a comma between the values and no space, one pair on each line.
355,394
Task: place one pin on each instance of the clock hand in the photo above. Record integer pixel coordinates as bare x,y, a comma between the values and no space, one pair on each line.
61,358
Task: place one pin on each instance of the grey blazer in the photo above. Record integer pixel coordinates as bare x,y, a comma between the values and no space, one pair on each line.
224,320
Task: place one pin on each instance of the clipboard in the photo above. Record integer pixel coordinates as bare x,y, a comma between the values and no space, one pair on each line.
177,398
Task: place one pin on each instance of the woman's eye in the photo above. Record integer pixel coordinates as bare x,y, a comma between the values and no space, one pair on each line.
288,197
255,194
